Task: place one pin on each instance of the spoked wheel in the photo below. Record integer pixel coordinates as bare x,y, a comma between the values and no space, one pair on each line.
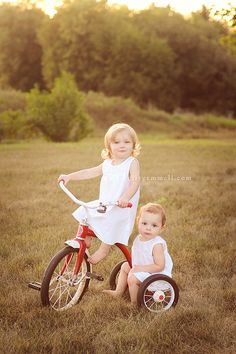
158,293
61,288
114,275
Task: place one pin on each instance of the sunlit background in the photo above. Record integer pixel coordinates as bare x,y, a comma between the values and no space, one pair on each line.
183,6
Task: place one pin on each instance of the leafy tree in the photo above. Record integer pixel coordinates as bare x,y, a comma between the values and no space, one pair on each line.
202,64
20,53
227,16
12,100
153,56
59,114
142,69
105,52
13,125
77,40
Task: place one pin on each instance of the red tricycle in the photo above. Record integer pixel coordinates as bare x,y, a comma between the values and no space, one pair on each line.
69,273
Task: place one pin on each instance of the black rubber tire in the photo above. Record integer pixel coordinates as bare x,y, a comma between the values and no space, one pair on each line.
113,275
153,278
49,274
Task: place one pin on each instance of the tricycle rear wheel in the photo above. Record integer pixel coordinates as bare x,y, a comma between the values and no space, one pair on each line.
115,274
158,293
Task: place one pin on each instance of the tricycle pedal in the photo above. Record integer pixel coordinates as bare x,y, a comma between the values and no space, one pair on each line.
94,276
35,285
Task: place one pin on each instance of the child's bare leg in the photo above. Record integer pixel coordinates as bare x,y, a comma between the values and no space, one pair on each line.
101,253
134,285
88,241
122,281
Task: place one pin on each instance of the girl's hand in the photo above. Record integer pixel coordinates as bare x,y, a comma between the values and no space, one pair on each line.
65,178
136,269
123,203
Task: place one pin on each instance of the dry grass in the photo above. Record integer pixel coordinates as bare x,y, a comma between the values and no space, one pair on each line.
106,111
35,220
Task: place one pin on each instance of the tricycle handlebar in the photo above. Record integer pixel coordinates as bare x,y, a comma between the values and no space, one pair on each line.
70,195
101,207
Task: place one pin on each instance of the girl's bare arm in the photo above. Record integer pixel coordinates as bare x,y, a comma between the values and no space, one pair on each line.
82,174
134,184
159,259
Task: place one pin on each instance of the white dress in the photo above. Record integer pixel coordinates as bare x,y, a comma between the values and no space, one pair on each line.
142,254
117,223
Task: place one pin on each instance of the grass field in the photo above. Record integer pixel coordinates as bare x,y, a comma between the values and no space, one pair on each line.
36,219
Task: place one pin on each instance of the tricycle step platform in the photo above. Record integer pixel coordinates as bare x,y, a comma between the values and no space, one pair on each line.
35,285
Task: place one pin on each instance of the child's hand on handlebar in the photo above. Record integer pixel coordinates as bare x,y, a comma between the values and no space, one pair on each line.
65,178
123,203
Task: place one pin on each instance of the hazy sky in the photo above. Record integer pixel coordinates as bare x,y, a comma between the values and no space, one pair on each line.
183,6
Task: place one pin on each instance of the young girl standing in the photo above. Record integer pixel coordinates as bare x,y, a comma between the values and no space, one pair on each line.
120,181
149,253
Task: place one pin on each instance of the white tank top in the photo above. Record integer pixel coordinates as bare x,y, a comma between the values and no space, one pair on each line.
142,253
116,224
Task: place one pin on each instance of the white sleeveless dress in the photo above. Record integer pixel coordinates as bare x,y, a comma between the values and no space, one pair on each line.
117,223
142,255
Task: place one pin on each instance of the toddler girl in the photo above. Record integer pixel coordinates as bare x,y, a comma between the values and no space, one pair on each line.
149,253
120,182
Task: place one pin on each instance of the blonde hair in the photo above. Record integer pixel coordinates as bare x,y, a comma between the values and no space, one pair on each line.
153,208
110,137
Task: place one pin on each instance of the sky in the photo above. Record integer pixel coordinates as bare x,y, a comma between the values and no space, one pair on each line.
183,6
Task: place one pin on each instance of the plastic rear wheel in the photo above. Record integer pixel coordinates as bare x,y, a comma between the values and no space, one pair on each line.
61,288
158,293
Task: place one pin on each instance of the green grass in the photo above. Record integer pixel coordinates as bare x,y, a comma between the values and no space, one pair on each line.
35,219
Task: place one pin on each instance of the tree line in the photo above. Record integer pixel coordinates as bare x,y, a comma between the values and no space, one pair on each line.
155,56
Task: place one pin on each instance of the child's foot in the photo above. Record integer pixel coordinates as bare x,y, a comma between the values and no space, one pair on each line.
97,256
101,253
111,292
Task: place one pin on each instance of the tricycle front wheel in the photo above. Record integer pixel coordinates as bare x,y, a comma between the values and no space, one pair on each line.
61,288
